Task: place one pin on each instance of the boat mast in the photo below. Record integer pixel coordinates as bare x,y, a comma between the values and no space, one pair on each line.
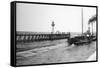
92,28
82,19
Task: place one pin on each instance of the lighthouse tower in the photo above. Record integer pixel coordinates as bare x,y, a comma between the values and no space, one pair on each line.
52,32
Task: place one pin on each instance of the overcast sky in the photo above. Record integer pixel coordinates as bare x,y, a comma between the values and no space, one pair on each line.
38,17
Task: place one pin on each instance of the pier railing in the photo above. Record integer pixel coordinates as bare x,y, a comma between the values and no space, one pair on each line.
30,37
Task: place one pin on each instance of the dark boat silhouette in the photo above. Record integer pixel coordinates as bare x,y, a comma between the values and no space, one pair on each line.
78,40
84,38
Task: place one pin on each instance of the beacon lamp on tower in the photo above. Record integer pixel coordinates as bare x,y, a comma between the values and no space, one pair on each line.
52,32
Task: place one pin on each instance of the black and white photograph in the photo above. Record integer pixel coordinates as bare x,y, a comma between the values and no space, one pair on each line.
50,34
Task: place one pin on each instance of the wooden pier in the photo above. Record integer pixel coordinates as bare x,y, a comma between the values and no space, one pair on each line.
31,37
